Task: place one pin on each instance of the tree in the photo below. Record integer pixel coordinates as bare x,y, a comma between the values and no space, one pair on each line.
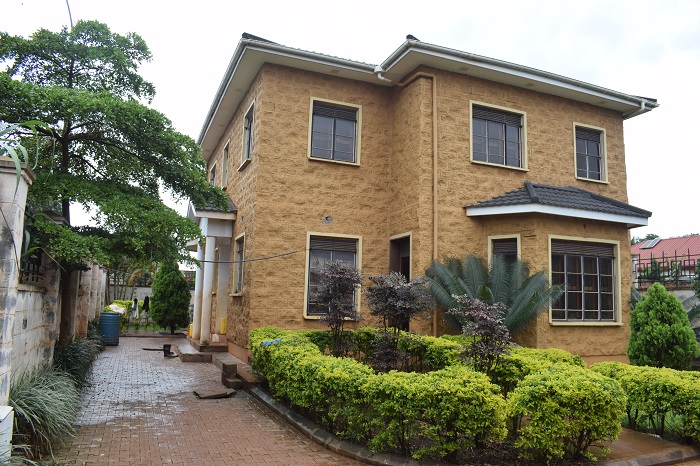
660,333
484,323
395,300
170,303
505,282
339,282
103,148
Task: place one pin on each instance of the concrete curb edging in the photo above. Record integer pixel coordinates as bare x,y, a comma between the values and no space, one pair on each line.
330,441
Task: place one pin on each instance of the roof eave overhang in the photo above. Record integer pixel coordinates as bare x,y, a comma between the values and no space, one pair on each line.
412,54
629,221
247,60
195,214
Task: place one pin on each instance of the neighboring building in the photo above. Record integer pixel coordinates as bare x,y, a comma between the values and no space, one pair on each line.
433,153
669,261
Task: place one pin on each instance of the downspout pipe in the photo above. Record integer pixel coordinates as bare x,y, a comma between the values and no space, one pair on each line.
378,71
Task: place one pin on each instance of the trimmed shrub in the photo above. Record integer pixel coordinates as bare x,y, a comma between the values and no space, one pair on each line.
521,362
425,415
655,395
660,333
45,403
569,408
435,414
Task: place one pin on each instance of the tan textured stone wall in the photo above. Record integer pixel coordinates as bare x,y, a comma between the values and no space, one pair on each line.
282,195
294,193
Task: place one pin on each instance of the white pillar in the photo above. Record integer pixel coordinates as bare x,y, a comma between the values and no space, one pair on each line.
208,287
198,280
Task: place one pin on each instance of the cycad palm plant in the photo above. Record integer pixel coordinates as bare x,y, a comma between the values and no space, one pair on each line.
505,282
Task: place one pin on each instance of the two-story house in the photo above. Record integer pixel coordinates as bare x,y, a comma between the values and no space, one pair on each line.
433,153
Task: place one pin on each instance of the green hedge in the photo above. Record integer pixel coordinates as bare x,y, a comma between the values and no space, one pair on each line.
521,362
424,415
657,395
569,408
433,414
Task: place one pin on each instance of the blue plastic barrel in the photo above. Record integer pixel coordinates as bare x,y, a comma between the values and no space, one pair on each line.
109,328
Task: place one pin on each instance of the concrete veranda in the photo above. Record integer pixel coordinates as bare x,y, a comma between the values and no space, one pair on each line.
140,410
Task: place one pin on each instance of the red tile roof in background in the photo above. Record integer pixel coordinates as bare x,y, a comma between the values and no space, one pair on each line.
680,246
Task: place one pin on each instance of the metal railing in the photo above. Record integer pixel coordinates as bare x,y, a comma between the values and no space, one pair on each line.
674,271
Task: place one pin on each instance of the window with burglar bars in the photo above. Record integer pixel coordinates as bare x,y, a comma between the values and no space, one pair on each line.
497,137
589,154
585,271
334,132
321,251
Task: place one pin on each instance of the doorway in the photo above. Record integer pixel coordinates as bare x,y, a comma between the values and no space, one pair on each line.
400,261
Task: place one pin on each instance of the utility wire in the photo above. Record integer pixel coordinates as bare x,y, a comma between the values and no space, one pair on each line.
256,259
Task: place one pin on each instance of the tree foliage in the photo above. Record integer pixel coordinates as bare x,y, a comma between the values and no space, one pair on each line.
394,299
102,147
483,323
339,282
170,302
525,296
660,333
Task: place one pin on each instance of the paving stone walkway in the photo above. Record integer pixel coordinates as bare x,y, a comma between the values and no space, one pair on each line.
140,411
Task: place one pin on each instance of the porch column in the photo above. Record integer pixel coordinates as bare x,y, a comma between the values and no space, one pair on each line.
198,280
208,287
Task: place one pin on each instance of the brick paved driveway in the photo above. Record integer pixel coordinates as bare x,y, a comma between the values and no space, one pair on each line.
140,410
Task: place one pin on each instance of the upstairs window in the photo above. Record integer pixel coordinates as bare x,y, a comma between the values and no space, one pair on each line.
586,273
589,154
212,175
248,126
334,132
224,168
497,137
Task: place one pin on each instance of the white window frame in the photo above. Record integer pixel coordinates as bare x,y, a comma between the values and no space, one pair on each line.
617,283
358,266
358,129
603,153
523,135
248,135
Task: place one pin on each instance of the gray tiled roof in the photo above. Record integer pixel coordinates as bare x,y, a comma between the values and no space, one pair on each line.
569,197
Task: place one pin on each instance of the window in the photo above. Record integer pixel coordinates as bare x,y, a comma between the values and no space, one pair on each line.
224,171
334,133
589,154
505,247
239,258
497,137
322,250
212,175
585,271
248,126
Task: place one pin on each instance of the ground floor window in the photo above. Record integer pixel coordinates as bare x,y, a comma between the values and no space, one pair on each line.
323,249
586,273
506,248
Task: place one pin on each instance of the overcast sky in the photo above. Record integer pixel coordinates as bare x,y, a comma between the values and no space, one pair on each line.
647,48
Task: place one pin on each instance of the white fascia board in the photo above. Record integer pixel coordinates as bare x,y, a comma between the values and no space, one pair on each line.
628,220
248,58
412,54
